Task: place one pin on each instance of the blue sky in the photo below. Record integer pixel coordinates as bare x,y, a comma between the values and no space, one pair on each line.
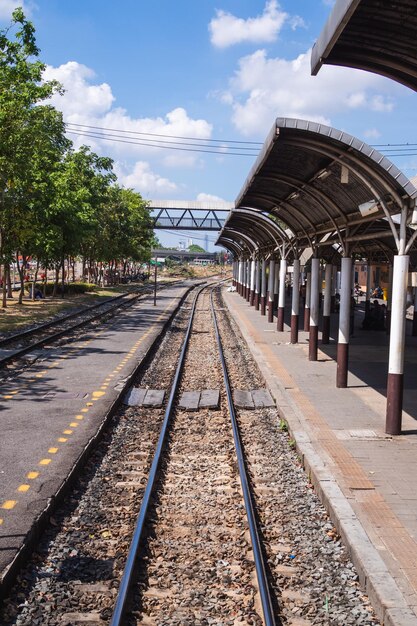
222,69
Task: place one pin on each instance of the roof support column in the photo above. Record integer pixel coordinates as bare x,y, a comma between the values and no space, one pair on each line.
334,289
368,288
263,287
234,273
240,275
271,281
396,345
257,284
252,281
281,294
295,303
276,287
389,300
325,336
314,310
414,333
307,303
344,323
247,293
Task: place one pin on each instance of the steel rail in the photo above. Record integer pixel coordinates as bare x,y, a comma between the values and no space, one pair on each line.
60,333
57,335
263,585
140,524
4,341
27,333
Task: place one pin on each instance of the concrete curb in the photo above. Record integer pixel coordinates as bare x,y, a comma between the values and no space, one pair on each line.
385,596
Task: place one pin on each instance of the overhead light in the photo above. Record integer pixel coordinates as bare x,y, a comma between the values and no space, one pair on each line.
323,174
293,196
368,207
344,175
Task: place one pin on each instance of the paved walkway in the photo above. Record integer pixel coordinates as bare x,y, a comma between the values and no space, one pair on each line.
50,413
366,479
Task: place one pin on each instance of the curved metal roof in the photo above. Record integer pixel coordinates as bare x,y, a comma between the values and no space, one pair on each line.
241,240
314,179
266,234
371,35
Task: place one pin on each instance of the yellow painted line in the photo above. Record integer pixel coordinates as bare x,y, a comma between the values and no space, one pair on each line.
98,394
39,375
79,417
67,431
74,424
7,397
13,393
104,387
32,475
23,488
45,461
53,450
84,410
9,504
1,521
62,439
88,404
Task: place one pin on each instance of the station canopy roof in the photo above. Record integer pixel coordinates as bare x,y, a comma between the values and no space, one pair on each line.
315,184
374,35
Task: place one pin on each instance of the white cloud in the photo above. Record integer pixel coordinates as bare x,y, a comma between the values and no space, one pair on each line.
88,102
81,98
226,29
208,197
372,133
8,6
143,179
265,88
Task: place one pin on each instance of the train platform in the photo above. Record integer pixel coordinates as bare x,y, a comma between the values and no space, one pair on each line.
52,412
365,478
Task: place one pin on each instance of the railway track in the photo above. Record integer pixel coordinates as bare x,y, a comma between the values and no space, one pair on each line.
14,347
196,562
204,523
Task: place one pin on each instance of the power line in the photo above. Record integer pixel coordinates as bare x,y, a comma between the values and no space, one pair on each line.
161,141
224,152
134,132
185,233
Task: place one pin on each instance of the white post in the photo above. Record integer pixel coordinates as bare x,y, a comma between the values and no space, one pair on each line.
276,286
252,281
263,287
295,302
396,345
314,310
307,303
327,303
257,284
271,281
344,323
281,294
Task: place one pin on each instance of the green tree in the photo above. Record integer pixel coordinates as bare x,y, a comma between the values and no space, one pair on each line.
21,88
195,248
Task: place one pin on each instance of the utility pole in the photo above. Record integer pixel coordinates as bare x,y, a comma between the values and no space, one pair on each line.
154,287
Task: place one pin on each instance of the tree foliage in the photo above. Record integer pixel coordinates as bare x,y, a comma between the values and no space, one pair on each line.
56,202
